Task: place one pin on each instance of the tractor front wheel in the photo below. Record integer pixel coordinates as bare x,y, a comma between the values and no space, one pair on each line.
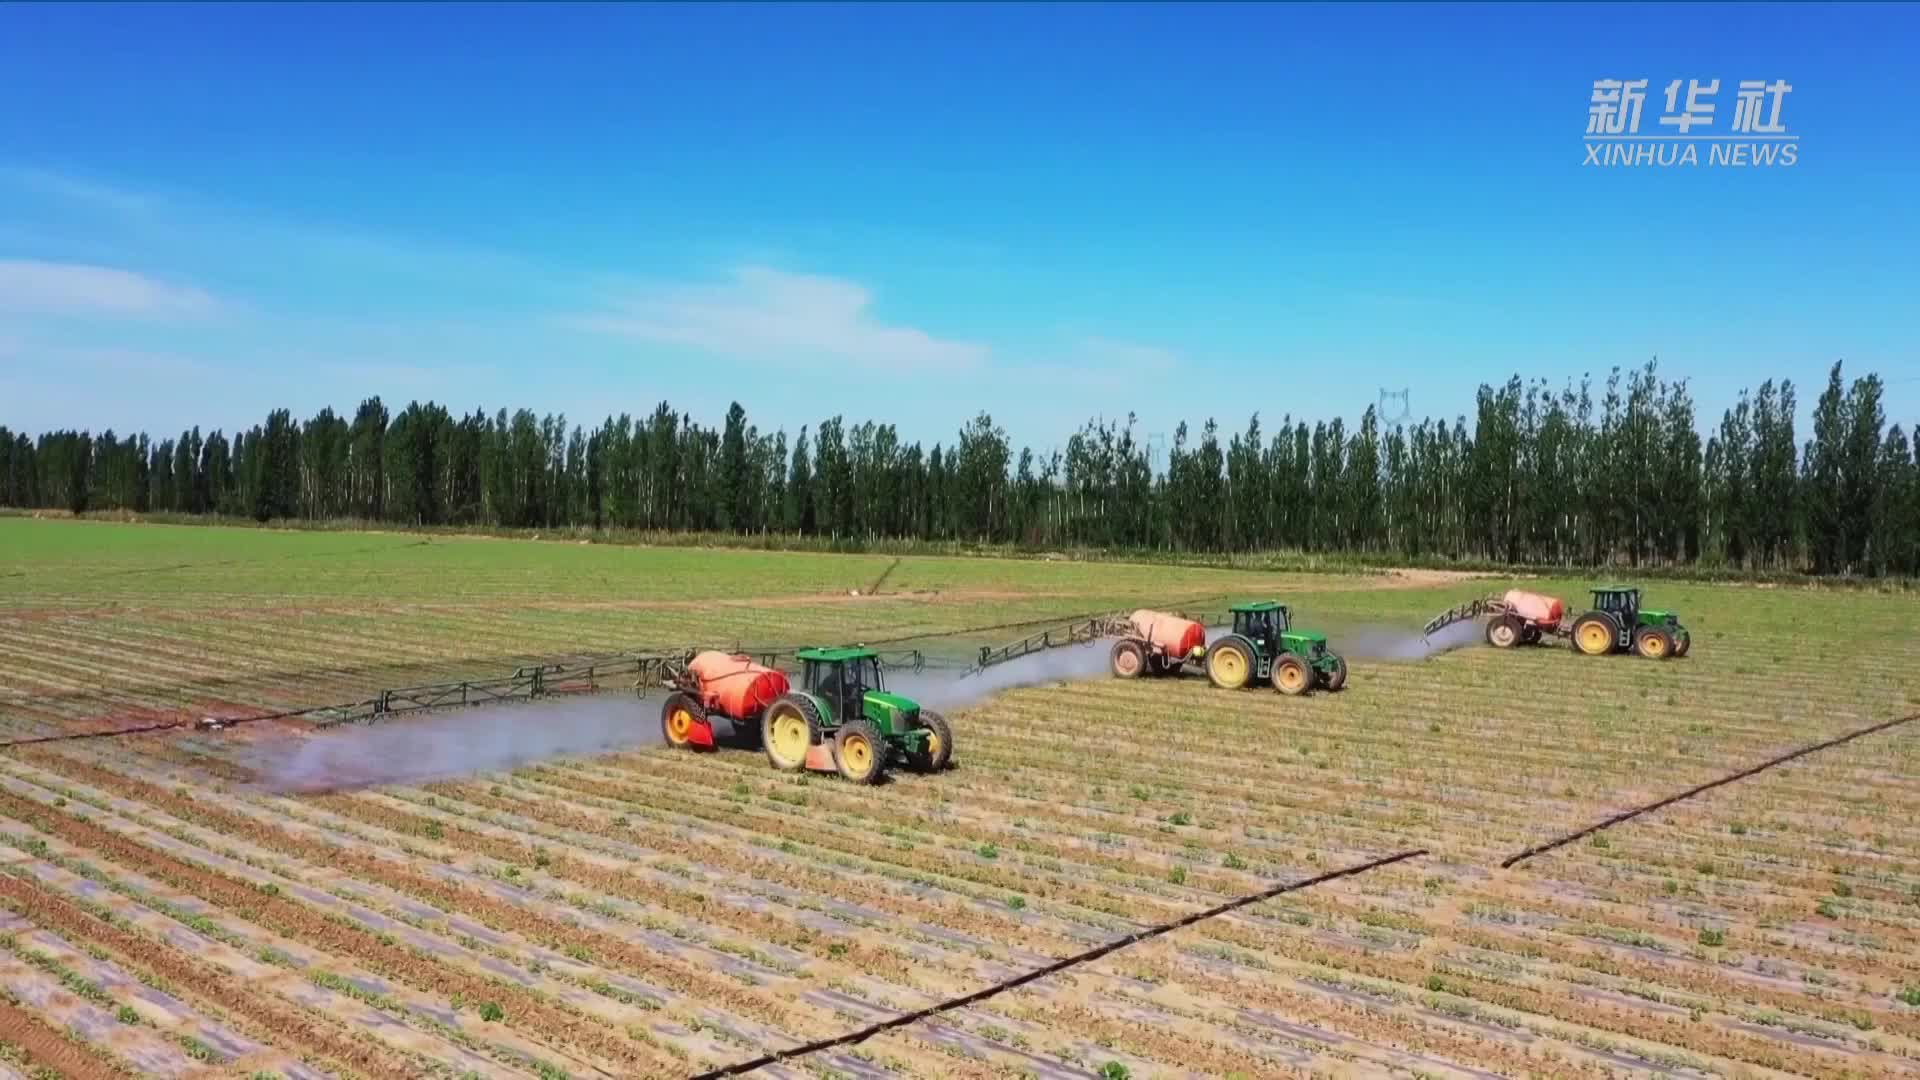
1129,659
1337,678
1593,634
1682,643
1504,632
788,730
938,745
859,752
1653,642
677,719
1229,665
1291,675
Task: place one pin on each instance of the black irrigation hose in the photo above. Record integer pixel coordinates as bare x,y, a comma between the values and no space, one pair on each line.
1092,954
1541,849
884,575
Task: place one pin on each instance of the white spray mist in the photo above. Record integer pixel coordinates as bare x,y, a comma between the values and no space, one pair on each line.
496,737
446,745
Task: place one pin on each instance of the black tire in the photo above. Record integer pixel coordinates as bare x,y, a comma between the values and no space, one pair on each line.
1221,656
942,752
1653,642
1504,632
784,706
1291,675
680,708
1682,643
859,752
1337,678
1129,659
1583,628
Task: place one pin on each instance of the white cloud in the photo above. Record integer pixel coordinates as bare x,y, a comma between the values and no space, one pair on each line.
1131,357
77,189
1106,364
60,288
766,314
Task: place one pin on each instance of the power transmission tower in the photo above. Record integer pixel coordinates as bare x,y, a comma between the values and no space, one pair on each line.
1397,398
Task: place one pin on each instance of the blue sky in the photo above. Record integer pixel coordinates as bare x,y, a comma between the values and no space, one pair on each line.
917,212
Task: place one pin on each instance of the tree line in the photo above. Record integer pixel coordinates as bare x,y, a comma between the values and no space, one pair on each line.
1582,475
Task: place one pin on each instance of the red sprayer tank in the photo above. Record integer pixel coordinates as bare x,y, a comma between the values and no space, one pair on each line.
1534,608
735,686
1170,633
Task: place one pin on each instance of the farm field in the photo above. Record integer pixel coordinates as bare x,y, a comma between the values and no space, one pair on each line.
647,913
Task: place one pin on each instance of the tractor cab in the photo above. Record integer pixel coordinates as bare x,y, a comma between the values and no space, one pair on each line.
1269,626
841,678
1619,601
1261,623
1623,604
852,684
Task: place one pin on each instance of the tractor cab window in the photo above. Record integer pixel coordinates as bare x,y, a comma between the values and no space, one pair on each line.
1260,625
844,685
864,674
1624,602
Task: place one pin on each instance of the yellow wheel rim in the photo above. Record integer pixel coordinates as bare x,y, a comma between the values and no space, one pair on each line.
933,746
679,725
790,737
1594,638
1228,668
857,755
1652,645
1292,677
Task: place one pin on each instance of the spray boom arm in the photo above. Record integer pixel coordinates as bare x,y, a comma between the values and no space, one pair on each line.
1472,609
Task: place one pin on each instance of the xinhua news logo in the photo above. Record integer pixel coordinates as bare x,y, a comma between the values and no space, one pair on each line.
1757,137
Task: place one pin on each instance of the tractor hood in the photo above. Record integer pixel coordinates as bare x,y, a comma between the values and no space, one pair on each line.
893,702
1655,617
1303,639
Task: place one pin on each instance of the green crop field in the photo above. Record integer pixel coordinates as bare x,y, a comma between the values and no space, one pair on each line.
655,913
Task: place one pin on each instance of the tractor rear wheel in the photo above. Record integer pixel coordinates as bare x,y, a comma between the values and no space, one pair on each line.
1129,659
1504,632
677,719
788,730
1291,675
938,743
860,752
1653,642
1337,678
1229,665
1593,633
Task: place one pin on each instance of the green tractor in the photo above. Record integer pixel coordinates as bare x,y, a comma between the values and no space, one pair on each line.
841,718
1264,646
1618,623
